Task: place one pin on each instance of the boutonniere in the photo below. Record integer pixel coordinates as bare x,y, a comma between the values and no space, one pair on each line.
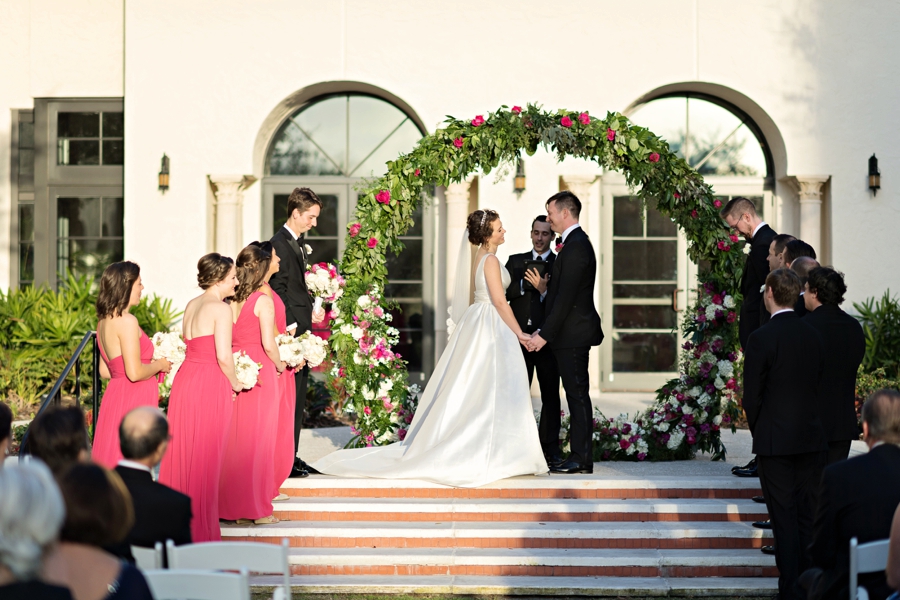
747,248
762,289
559,245
307,248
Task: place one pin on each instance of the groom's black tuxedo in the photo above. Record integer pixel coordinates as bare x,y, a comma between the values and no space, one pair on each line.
571,327
290,285
528,308
756,269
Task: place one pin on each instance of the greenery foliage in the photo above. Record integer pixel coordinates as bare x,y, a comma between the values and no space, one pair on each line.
881,324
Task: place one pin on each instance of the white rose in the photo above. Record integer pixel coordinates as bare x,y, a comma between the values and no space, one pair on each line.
717,420
704,399
663,427
367,393
726,369
347,329
358,359
307,248
363,301
728,302
695,392
702,416
747,248
357,333
675,440
719,383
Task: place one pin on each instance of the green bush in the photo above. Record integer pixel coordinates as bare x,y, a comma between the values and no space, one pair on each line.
881,324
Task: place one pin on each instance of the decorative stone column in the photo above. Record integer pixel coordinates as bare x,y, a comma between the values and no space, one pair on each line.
810,189
457,198
228,205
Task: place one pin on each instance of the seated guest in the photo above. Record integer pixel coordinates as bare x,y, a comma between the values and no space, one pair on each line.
59,438
5,432
845,346
31,513
858,499
794,249
802,266
98,513
160,513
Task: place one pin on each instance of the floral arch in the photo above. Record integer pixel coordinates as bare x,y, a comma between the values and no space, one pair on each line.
368,378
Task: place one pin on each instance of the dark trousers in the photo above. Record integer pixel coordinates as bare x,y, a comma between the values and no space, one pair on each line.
838,451
544,362
573,370
790,485
301,378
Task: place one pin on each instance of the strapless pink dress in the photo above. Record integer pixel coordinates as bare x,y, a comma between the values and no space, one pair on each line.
200,408
121,396
287,390
248,477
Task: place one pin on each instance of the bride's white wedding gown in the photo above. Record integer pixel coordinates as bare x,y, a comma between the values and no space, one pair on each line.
474,423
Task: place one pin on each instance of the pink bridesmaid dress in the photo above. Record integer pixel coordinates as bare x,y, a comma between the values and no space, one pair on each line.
121,396
248,478
200,408
284,434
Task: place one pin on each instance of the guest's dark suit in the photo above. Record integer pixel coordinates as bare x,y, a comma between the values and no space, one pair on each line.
783,364
858,498
290,284
845,345
756,268
800,307
528,309
160,513
571,327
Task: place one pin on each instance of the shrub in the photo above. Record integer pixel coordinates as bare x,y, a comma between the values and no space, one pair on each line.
881,324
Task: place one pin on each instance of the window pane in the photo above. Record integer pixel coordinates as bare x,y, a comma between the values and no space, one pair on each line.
78,124
327,223
416,228
26,262
758,203
326,123
279,211
26,166
627,217
113,124
644,317
371,121
324,250
644,352
113,152
648,290
293,154
408,264
78,217
403,290
666,117
659,225
26,222
401,141
113,217
635,260
26,135
78,152
87,257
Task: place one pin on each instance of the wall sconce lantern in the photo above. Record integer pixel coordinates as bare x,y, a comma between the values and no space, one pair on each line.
519,185
164,174
874,175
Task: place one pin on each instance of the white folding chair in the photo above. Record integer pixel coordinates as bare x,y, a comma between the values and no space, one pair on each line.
198,585
870,557
254,556
148,558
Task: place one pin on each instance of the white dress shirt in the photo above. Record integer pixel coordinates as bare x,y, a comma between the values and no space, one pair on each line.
753,235
783,310
566,233
291,231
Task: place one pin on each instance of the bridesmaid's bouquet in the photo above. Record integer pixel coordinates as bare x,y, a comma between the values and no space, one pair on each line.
290,349
313,348
325,283
246,369
169,345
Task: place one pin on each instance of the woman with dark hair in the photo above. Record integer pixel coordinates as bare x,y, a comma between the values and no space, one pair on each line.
98,514
202,397
127,355
5,432
248,477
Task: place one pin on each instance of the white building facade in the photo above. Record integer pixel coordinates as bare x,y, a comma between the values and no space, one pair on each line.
783,102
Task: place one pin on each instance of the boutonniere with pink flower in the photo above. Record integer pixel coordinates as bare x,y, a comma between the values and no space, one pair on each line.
559,245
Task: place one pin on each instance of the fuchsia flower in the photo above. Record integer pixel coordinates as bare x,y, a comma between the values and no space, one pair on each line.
717,203
730,384
654,157
372,242
624,444
418,172
458,142
354,229
733,238
641,455
478,121
387,405
723,246
677,195
731,317
584,118
565,122
379,312
516,110
610,134
384,197
694,214
401,433
367,410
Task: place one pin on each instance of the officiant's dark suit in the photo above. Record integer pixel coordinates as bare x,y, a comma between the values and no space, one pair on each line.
756,268
783,364
528,308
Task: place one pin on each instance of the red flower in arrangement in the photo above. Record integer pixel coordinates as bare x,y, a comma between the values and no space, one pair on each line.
610,134
730,384
654,157
458,142
677,195
733,238
384,197
354,229
717,203
694,214
723,246
372,242
528,124
731,317
584,119
516,110
418,172
565,122
478,121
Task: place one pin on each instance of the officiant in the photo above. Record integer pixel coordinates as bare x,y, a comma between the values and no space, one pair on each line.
526,294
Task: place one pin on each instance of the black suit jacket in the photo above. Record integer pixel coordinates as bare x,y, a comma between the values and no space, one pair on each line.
783,364
845,345
290,280
756,269
858,499
526,305
570,319
160,513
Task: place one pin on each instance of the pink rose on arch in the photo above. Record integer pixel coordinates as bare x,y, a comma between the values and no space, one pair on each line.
677,195
610,134
565,122
387,405
730,384
384,197
717,203
723,246
478,121
354,229
418,172
733,238
654,157
694,214
584,118
458,142
516,110
372,242
367,410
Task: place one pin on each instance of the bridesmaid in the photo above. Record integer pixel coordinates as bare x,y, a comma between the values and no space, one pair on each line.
132,369
202,398
248,477
284,434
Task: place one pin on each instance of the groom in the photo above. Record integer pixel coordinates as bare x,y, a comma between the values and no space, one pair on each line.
572,325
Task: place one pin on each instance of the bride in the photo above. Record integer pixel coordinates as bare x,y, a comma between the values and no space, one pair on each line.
474,423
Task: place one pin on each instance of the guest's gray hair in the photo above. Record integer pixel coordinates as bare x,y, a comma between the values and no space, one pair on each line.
31,514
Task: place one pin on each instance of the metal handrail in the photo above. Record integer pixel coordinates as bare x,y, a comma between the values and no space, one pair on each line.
55,395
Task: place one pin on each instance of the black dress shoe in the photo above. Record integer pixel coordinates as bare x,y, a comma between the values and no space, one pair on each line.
572,467
760,499
746,472
301,465
297,473
553,460
768,550
749,465
763,524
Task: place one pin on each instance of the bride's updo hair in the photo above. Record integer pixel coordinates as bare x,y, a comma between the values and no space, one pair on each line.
252,265
211,269
481,225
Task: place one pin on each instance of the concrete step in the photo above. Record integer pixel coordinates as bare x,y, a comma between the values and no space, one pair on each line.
587,534
532,562
467,585
306,509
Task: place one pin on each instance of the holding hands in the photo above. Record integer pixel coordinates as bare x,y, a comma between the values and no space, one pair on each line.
535,342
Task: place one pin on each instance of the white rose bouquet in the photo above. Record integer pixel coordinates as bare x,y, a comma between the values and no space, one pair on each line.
290,350
169,345
325,283
313,349
246,369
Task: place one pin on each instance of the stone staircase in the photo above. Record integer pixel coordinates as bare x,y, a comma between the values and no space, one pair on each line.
557,535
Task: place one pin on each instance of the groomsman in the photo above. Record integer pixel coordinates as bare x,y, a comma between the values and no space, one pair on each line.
776,251
783,371
527,295
845,345
572,325
303,207
795,249
802,266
